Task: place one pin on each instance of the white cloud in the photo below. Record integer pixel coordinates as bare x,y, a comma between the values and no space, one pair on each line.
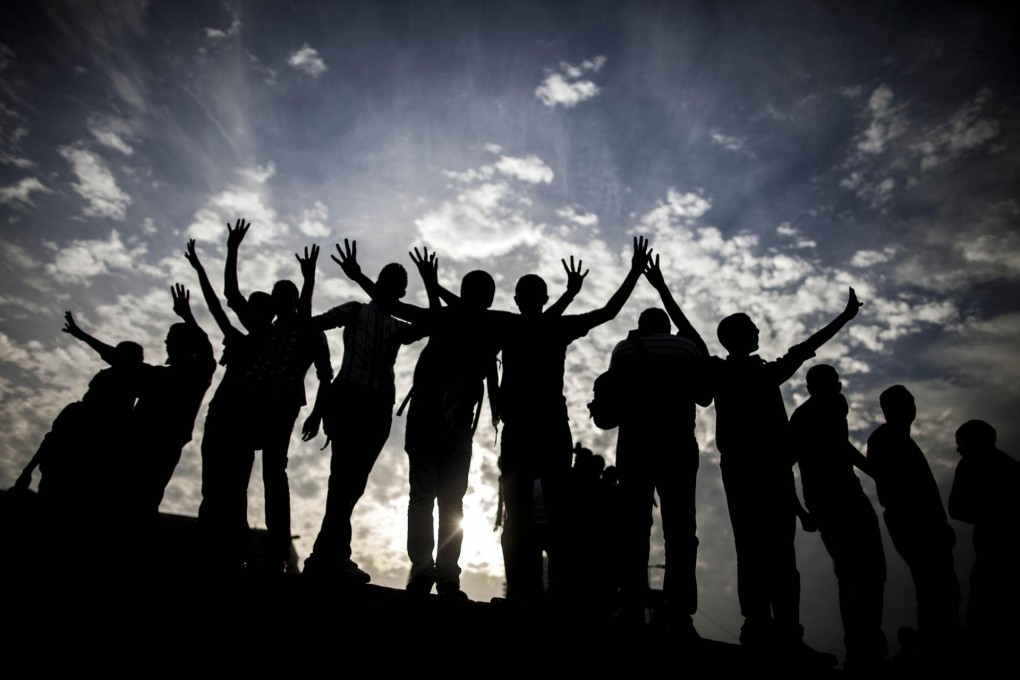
307,59
727,142
16,161
566,87
96,184
788,230
869,258
482,221
965,131
209,222
530,169
485,218
877,193
259,173
112,132
1000,251
219,34
584,219
79,261
312,221
22,191
887,121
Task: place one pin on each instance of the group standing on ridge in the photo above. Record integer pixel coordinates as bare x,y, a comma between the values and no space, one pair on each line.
142,415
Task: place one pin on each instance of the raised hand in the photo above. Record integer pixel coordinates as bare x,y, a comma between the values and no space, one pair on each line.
641,254
71,328
853,305
236,235
192,256
427,264
347,258
575,279
307,263
182,300
654,274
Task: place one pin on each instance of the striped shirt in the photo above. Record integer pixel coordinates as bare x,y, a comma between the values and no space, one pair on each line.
372,339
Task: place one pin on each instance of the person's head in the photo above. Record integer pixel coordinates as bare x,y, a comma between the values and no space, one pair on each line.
260,304
183,342
285,298
898,405
975,436
738,334
531,294
131,351
392,281
652,321
477,289
822,379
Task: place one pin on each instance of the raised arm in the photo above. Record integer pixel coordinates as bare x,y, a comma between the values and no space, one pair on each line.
307,264
108,353
827,333
428,269
212,301
347,259
231,290
575,280
615,304
684,327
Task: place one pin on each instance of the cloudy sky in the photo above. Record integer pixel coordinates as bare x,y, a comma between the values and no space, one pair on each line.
774,152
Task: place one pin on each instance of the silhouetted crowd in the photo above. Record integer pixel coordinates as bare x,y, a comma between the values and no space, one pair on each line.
574,532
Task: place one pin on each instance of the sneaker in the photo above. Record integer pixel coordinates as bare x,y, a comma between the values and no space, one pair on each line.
420,584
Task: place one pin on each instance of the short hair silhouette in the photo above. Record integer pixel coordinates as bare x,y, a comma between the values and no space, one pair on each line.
285,297
976,434
261,304
184,342
653,320
898,404
477,289
131,351
392,280
735,331
822,379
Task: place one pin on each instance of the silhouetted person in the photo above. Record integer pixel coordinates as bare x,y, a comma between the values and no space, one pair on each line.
223,513
537,444
357,415
751,427
657,451
464,339
985,494
80,458
275,382
844,514
915,517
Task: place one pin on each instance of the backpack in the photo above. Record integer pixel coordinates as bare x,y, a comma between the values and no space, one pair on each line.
612,392
606,408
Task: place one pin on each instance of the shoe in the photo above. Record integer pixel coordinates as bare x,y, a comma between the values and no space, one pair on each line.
420,584
451,590
349,571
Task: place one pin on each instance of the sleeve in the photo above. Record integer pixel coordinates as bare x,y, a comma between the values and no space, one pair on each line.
782,369
411,332
323,368
574,326
336,317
